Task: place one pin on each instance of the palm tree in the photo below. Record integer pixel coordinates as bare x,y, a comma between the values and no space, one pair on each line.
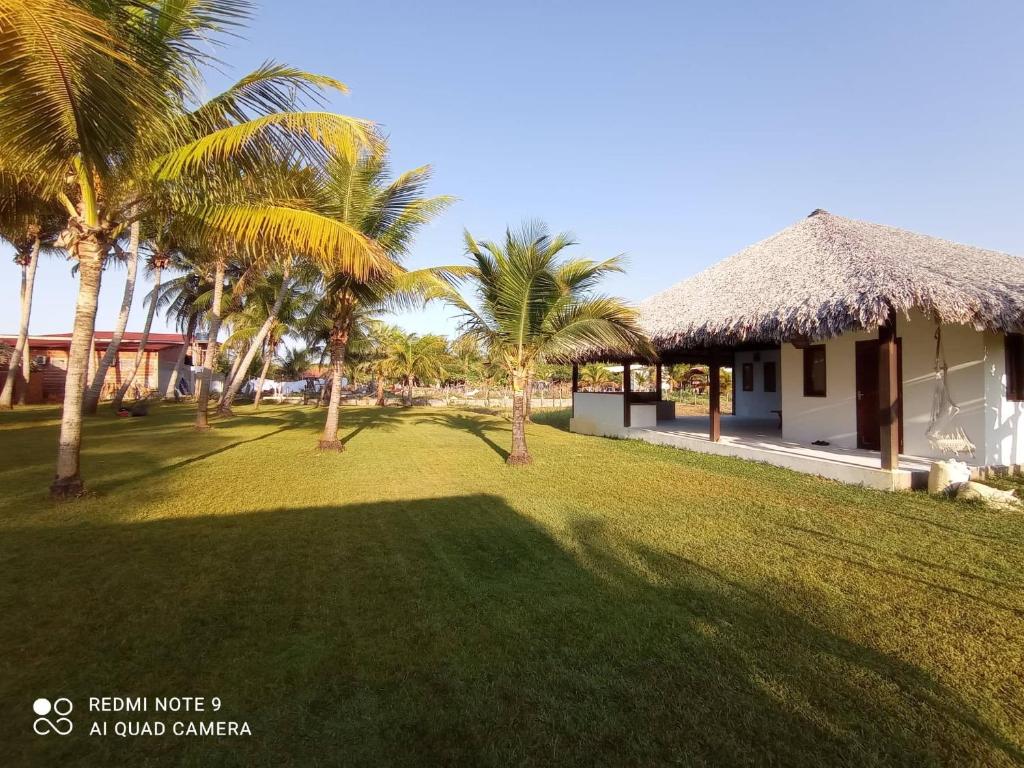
374,355
467,359
415,358
66,125
272,311
360,194
30,224
130,257
492,374
162,244
295,362
270,344
531,304
183,301
595,376
155,265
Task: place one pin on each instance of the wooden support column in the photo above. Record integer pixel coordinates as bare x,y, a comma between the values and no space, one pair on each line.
657,379
575,385
627,389
715,397
889,393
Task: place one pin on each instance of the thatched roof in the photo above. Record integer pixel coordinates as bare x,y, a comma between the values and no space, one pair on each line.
826,275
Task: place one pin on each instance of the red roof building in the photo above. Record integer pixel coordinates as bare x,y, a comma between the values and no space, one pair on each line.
48,358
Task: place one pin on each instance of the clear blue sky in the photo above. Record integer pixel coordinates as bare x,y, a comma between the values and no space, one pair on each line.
674,132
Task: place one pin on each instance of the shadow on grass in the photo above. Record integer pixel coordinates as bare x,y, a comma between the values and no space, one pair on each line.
447,631
369,417
556,417
478,426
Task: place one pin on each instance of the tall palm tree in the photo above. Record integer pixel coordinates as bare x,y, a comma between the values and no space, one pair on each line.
130,257
162,243
532,303
30,223
66,124
157,262
388,212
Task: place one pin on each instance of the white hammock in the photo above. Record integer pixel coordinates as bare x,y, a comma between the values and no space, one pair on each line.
943,435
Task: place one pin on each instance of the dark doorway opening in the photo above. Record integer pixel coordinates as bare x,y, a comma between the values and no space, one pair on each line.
868,407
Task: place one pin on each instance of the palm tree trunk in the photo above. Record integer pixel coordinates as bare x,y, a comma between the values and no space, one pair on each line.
408,390
143,341
257,343
380,391
329,439
68,480
92,397
263,379
18,356
323,390
26,374
520,455
236,366
529,398
172,385
210,357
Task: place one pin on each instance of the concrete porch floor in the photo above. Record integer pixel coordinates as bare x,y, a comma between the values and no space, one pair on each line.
761,440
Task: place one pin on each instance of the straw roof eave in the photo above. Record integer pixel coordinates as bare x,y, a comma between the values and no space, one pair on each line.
828,275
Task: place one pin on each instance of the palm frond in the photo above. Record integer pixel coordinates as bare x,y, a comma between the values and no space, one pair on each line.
72,87
334,245
310,133
272,87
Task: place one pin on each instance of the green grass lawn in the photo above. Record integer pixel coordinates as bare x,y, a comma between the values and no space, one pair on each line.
413,601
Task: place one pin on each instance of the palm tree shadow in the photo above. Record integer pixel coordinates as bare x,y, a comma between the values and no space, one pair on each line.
376,417
477,427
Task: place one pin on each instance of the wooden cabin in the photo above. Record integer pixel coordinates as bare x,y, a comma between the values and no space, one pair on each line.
48,358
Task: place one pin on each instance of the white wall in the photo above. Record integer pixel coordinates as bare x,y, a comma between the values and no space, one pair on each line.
598,413
834,417
1004,419
757,404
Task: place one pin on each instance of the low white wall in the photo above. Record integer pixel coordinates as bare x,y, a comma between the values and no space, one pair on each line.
1004,419
598,413
757,404
834,417
643,414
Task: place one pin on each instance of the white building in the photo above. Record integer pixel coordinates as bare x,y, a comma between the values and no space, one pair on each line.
859,352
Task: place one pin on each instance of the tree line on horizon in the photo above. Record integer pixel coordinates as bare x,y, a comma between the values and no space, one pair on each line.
265,207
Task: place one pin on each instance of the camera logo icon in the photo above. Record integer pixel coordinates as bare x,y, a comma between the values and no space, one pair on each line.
60,725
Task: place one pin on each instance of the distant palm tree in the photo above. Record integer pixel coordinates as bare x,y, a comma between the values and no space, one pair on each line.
157,262
31,224
414,358
271,312
295,362
374,355
531,304
595,376
185,303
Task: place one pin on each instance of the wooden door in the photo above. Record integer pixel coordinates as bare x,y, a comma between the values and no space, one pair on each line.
868,415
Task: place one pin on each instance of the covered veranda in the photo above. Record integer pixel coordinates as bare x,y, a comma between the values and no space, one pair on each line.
645,415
